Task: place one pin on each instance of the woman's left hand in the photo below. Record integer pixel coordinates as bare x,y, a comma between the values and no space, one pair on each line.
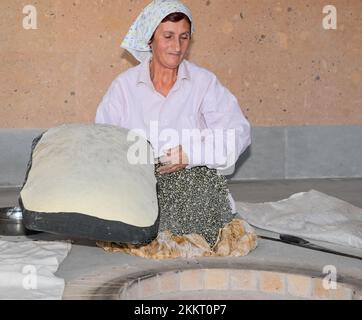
175,159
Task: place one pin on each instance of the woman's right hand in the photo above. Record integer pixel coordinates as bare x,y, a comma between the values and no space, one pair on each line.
175,159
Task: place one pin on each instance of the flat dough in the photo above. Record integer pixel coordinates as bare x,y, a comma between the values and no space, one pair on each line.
83,168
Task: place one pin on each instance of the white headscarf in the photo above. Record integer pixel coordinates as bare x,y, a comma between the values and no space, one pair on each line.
141,31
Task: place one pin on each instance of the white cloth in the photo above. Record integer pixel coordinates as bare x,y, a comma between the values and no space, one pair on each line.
27,269
141,31
311,215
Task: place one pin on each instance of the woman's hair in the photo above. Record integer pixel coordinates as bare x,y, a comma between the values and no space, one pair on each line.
174,17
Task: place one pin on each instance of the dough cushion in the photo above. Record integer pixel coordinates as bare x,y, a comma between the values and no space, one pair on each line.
80,182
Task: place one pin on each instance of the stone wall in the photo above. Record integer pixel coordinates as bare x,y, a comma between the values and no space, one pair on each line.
275,56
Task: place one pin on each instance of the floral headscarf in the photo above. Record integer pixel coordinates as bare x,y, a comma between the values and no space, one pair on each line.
141,31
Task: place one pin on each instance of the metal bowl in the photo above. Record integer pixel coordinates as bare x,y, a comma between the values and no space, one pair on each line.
11,222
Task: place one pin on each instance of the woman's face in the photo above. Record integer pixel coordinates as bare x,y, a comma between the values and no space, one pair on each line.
171,42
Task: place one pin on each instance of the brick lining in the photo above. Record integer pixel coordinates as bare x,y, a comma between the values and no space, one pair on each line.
234,284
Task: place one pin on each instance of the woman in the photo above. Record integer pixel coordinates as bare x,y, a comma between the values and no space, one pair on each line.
201,119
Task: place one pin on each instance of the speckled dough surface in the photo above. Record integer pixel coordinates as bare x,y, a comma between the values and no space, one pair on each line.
193,201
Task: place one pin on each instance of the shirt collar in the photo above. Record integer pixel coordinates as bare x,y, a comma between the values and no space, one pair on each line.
144,72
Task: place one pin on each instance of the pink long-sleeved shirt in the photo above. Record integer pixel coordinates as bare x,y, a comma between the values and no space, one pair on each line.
196,102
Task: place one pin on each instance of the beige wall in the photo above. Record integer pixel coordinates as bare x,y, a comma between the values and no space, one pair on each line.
284,68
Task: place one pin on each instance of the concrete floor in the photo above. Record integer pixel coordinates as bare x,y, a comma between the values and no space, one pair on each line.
86,259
